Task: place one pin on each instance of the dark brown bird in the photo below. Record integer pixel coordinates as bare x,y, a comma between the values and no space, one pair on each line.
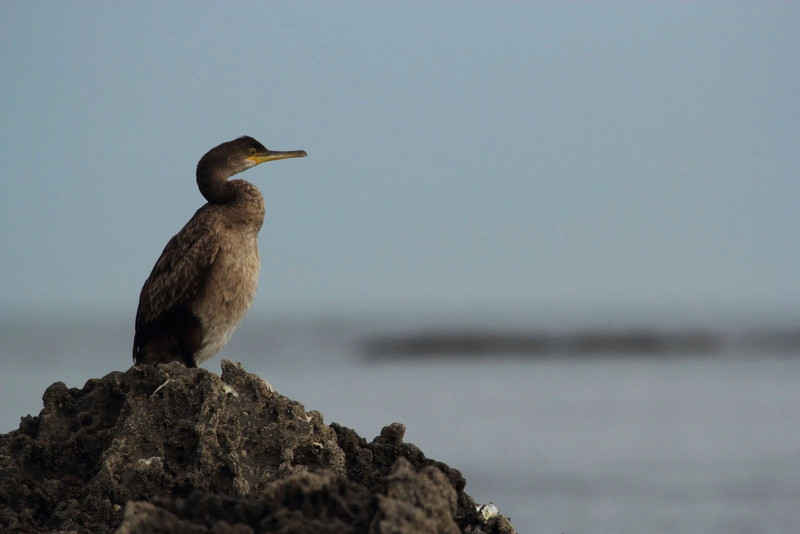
205,280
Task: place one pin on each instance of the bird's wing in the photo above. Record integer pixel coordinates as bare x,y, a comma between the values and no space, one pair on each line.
179,272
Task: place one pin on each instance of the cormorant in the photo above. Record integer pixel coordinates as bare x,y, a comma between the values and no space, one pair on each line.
205,280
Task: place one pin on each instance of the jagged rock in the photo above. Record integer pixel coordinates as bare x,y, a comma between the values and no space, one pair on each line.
172,449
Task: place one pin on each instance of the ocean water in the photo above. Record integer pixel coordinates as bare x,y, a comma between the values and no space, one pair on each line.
690,442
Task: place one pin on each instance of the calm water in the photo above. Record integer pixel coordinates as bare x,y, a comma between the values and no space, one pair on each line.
691,443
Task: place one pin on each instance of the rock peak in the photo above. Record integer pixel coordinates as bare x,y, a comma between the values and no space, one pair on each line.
171,449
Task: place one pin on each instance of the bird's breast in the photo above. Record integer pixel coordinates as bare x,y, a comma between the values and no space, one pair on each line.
227,293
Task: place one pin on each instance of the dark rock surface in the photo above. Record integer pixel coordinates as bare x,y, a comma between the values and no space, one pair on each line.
171,449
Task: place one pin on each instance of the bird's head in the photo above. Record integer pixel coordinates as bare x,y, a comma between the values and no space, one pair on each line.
240,154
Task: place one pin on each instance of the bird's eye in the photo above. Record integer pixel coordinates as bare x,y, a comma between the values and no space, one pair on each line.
252,151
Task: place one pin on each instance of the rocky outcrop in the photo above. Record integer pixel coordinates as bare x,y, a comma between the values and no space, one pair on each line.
171,449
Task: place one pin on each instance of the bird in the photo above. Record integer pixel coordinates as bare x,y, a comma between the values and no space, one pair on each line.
205,279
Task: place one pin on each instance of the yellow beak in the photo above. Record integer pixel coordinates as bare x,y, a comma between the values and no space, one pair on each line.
271,155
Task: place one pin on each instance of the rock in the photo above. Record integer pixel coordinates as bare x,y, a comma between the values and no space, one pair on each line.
170,449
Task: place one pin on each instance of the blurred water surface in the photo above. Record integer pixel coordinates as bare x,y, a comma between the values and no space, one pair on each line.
637,443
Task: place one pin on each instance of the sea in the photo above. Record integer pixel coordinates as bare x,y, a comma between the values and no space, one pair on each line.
569,422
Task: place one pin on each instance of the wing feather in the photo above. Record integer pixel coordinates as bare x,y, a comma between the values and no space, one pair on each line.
180,270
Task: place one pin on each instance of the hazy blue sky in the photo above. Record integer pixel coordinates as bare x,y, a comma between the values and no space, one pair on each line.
460,154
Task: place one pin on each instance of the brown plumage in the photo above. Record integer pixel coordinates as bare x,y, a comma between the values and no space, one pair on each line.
205,280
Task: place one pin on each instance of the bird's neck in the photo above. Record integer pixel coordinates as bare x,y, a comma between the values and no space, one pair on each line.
241,200
214,186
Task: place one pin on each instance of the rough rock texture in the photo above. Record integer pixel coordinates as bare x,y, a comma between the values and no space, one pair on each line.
171,449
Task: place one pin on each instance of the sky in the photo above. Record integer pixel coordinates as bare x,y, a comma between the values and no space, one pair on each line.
460,154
